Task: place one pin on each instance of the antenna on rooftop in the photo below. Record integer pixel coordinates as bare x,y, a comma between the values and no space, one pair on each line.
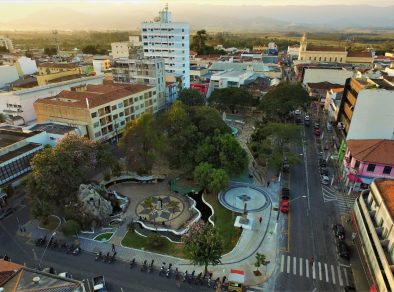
55,36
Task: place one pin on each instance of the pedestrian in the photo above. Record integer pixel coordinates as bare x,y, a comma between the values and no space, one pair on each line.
268,184
113,247
241,228
312,260
261,219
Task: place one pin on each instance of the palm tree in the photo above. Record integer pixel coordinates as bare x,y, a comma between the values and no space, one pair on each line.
260,260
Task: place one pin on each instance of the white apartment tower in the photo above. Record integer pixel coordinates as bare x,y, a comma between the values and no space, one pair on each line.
169,40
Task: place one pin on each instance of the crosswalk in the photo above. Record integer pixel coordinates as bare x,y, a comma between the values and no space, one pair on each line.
324,272
329,194
345,202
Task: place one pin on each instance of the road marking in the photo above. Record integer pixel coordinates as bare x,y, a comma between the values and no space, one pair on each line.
333,274
282,263
288,264
294,265
313,271
320,274
340,276
307,267
326,269
300,266
346,278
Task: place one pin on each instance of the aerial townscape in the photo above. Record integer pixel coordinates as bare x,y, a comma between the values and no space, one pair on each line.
196,146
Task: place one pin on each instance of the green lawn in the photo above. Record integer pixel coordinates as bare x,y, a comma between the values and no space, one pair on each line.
224,222
135,240
103,236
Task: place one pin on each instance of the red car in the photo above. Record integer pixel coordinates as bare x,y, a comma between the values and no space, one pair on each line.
317,132
284,206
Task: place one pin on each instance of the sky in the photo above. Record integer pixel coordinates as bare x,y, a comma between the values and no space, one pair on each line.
22,14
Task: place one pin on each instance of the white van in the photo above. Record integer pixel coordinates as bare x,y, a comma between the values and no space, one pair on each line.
329,127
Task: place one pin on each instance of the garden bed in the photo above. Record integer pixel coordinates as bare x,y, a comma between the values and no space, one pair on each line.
135,240
230,234
103,236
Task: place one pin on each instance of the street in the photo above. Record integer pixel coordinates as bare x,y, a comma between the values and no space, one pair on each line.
118,275
308,259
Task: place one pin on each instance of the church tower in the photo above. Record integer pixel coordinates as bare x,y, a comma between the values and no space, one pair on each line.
303,44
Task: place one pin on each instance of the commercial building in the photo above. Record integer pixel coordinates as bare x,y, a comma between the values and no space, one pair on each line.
15,277
374,218
55,72
6,43
360,59
140,70
319,90
103,110
101,64
20,103
231,79
268,70
367,159
169,40
8,74
366,109
26,66
123,49
331,75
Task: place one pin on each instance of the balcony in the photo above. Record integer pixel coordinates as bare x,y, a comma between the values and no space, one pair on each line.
348,111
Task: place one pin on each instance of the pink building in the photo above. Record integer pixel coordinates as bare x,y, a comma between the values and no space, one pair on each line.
368,159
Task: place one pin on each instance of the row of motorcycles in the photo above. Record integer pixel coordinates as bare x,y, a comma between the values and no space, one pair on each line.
107,258
55,244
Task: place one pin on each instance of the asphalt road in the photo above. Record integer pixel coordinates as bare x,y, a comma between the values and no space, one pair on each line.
118,275
309,228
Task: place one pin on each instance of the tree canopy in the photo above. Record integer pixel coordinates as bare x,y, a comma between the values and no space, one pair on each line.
215,180
231,98
203,245
283,99
191,97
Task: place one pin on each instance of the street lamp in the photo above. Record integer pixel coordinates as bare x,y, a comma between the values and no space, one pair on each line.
43,254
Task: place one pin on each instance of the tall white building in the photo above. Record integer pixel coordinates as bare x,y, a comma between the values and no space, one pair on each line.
7,43
123,49
168,40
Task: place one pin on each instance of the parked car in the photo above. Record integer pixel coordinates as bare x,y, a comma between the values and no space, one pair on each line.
343,250
316,126
99,284
324,171
339,231
284,206
7,213
307,121
286,165
329,127
285,194
325,180
65,275
317,132
322,162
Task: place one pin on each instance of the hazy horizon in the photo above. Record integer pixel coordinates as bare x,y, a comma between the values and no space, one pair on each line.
248,15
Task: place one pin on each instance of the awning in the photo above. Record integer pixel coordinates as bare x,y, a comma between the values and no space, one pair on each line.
354,178
237,276
366,180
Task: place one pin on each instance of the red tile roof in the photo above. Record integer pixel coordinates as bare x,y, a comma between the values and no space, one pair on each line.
386,190
360,54
95,95
373,151
324,85
58,65
325,49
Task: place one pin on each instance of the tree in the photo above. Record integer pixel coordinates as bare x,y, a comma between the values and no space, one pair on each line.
50,51
70,228
58,172
4,49
3,118
199,40
203,245
260,260
202,174
143,142
191,97
232,98
283,99
219,181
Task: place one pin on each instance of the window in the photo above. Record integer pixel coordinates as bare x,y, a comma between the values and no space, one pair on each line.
371,167
94,115
96,124
120,105
357,164
115,117
97,134
121,114
387,170
114,107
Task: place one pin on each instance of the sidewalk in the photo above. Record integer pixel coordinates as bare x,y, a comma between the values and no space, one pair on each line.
241,257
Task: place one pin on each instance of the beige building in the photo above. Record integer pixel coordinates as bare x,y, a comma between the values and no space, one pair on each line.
333,54
53,72
103,109
373,215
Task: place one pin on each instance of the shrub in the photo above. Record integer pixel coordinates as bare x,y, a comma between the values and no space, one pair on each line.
70,227
155,241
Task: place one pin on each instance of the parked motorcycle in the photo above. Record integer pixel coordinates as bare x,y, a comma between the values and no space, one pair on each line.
132,263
